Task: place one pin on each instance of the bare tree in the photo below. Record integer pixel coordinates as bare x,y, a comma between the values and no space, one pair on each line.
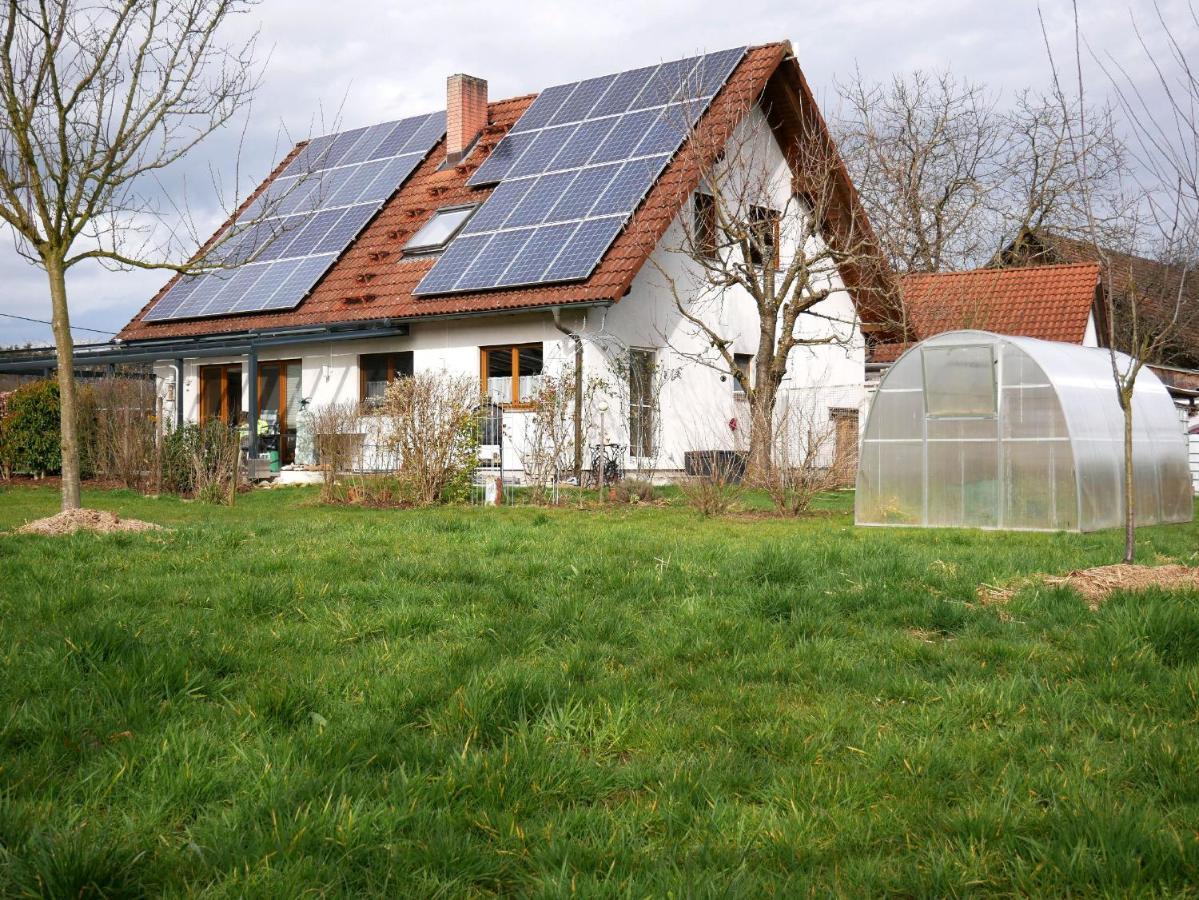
764,247
97,99
949,177
1163,120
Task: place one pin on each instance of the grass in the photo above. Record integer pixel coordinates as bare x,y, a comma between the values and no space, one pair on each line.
279,697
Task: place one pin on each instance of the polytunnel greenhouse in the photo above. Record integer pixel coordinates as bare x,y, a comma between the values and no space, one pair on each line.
983,430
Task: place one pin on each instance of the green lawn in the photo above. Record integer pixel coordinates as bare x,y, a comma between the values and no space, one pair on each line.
280,697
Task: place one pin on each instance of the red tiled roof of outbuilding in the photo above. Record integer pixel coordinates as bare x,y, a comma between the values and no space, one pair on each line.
1053,303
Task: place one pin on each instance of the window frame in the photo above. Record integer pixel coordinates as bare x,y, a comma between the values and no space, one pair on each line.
759,216
514,349
703,224
644,407
739,389
432,249
392,369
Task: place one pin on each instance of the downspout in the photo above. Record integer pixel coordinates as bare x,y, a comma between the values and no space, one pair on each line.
578,414
252,424
177,365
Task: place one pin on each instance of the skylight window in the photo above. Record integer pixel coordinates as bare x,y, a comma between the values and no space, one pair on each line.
439,230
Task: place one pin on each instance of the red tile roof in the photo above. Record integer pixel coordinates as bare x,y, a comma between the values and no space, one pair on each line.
1155,285
1049,302
371,281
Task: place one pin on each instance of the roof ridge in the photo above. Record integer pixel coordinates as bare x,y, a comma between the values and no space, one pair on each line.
1002,270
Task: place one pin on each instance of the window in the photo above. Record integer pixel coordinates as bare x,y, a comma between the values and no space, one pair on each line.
641,402
743,362
959,381
764,228
437,232
704,225
377,370
220,393
512,374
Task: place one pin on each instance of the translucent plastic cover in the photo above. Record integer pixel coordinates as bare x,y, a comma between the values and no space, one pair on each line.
982,430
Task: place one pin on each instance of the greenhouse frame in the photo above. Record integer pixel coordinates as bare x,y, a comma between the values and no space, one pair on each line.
983,430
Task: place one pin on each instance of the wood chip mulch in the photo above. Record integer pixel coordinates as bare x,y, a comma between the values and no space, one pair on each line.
1094,585
97,520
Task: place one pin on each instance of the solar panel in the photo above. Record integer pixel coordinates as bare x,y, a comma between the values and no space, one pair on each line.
304,219
571,172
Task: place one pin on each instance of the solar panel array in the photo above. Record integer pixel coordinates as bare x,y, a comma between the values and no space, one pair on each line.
307,216
571,172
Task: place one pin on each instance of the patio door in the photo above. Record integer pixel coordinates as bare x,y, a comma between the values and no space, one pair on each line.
279,393
220,393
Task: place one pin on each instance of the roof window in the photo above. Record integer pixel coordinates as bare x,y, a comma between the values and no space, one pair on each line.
439,230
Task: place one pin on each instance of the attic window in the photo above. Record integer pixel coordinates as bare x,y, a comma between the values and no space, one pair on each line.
439,230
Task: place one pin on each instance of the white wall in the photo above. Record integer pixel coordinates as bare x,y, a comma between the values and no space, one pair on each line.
697,400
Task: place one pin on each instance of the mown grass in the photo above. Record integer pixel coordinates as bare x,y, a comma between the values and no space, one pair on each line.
282,697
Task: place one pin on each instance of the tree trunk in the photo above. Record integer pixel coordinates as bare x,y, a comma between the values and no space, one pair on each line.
761,433
65,352
1130,513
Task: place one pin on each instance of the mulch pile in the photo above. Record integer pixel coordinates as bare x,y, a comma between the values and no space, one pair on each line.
1094,585
97,520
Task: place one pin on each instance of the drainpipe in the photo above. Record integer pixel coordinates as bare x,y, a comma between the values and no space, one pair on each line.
178,365
252,425
578,417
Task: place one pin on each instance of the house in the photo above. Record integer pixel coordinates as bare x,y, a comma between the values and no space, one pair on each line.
425,277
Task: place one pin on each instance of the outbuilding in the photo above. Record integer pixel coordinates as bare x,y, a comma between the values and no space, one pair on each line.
976,429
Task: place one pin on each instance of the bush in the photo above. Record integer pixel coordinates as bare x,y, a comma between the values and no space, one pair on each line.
201,460
30,430
118,430
717,487
429,429
634,490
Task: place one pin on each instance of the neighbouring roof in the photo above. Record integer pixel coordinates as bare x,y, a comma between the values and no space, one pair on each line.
1053,303
1157,283
370,280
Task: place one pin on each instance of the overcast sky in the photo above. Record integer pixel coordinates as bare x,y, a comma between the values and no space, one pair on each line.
357,62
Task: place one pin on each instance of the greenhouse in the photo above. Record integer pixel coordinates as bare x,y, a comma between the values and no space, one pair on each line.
983,430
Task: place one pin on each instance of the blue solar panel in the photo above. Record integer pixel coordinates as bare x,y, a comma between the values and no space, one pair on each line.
544,108
583,251
499,206
629,186
259,295
296,228
623,91
587,151
579,149
490,262
536,255
589,184
535,208
576,107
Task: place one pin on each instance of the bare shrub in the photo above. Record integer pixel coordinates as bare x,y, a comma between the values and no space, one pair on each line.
548,448
804,460
337,429
715,485
634,490
119,430
429,429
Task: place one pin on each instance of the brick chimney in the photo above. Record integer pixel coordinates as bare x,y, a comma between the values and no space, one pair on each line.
465,114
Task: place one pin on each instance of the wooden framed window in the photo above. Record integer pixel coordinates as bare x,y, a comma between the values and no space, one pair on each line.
377,370
511,375
642,365
764,224
220,393
744,362
704,225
